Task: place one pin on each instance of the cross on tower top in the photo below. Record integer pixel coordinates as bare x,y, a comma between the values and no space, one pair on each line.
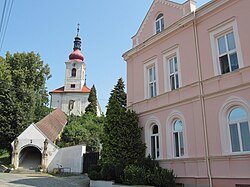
78,29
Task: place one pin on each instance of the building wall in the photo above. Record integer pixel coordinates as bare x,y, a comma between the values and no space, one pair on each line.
70,158
203,100
61,100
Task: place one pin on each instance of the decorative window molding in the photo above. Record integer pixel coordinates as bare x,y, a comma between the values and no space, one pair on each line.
151,138
150,79
225,45
230,104
172,134
172,69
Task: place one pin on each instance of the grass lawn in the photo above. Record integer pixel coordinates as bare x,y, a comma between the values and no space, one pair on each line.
4,157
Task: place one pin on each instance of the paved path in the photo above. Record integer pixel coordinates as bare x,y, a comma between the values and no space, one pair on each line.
41,180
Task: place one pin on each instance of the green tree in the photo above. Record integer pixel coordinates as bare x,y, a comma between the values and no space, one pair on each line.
122,144
23,96
85,129
92,99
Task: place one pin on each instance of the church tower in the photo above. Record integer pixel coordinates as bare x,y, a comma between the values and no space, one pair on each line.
72,98
75,67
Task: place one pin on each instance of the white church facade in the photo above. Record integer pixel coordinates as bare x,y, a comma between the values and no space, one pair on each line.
72,98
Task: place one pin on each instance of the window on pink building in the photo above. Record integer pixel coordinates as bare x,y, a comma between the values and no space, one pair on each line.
178,138
152,81
155,144
227,53
159,23
239,130
173,73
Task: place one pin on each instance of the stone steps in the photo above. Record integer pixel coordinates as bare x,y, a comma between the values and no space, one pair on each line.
21,170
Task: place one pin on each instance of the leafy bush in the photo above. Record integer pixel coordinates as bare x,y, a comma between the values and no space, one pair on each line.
95,175
112,172
162,178
149,164
4,157
136,175
106,171
148,172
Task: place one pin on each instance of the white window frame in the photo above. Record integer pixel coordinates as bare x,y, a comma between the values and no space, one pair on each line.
167,55
148,132
152,82
178,132
147,82
221,29
156,138
173,116
227,53
238,124
161,23
230,103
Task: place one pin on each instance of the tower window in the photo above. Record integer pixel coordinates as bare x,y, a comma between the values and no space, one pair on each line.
72,86
73,72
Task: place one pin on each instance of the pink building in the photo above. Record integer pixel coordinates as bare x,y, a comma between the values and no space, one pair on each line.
188,78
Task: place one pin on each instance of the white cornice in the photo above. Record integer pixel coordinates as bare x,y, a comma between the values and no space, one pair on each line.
200,12
165,2
171,4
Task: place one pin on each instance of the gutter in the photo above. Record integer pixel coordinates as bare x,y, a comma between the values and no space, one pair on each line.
204,123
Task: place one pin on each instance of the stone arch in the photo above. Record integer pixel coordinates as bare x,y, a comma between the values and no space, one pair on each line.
174,115
228,105
148,127
30,156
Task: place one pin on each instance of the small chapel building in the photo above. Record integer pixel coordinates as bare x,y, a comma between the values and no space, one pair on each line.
72,98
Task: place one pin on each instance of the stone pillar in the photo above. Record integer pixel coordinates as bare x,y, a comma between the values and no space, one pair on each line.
45,155
14,157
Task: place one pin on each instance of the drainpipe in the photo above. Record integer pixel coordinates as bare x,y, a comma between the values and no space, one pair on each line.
204,124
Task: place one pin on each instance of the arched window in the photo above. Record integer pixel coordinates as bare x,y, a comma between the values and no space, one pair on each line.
239,130
159,23
73,72
155,144
178,138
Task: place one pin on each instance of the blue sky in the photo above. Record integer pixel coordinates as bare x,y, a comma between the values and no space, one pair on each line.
48,27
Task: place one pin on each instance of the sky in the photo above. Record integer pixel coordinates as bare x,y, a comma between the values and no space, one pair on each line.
48,27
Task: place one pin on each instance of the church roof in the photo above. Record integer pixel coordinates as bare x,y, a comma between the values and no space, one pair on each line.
84,89
52,124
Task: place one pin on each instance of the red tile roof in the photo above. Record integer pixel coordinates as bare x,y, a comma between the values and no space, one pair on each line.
52,124
84,89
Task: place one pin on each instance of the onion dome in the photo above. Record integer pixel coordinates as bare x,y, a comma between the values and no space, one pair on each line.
76,54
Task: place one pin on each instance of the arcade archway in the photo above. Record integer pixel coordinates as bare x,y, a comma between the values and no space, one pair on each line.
30,157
